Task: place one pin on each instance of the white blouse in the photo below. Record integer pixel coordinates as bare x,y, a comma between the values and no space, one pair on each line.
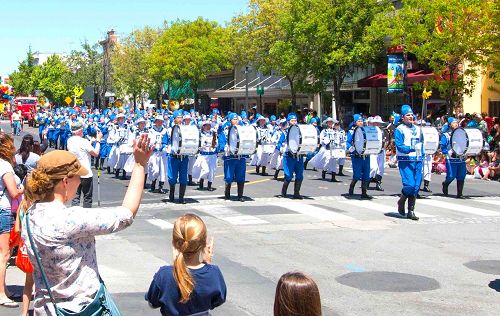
64,237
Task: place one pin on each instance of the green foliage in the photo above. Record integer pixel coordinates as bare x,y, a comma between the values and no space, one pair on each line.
86,66
52,79
21,78
190,50
464,46
130,64
310,42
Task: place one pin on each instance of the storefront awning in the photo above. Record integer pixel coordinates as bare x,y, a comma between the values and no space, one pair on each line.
380,80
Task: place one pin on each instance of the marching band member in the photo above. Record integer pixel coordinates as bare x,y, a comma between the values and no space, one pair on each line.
277,158
427,164
177,167
206,162
323,160
41,119
118,136
377,162
158,162
262,158
455,166
360,163
135,133
292,163
340,139
187,120
234,165
409,150
103,126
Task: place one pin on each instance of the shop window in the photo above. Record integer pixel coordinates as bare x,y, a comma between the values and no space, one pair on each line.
362,95
494,108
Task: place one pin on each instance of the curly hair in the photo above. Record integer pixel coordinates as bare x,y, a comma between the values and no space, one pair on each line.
7,148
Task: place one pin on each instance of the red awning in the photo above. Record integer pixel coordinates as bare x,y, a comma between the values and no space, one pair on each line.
380,80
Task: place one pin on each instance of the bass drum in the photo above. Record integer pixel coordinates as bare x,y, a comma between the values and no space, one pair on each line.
368,140
242,140
430,139
302,139
467,141
185,140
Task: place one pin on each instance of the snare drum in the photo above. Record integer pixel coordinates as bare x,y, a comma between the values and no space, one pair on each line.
467,141
302,139
430,139
185,140
368,140
242,140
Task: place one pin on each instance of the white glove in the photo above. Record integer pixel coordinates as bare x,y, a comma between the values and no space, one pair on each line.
352,149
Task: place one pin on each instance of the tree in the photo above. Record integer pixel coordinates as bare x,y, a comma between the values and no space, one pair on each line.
455,38
53,79
190,50
86,66
130,66
21,78
311,42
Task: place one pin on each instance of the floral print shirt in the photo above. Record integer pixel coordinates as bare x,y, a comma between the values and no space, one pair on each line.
64,237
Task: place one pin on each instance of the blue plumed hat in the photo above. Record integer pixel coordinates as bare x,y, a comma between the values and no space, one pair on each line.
406,109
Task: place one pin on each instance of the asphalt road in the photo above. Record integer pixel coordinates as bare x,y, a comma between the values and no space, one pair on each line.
365,259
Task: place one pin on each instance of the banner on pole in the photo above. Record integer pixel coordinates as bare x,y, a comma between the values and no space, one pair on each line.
395,73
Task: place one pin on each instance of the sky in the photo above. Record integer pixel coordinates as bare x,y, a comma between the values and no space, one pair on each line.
59,26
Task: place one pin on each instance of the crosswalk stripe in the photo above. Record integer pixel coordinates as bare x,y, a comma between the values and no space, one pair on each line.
230,215
164,225
379,207
492,202
314,211
459,208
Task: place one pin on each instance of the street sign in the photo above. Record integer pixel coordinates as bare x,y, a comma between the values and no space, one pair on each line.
78,91
68,100
260,90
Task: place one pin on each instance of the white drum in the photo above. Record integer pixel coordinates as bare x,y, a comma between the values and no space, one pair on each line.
368,140
302,139
430,139
467,141
185,140
242,140
338,146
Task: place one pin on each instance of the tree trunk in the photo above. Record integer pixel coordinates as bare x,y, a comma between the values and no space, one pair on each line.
135,101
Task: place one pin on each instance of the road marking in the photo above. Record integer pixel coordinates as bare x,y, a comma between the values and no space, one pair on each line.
314,211
164,225
379,207
229,215
492,202
459,208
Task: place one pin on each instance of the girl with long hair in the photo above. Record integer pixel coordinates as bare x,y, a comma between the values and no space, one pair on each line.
192,285
297,295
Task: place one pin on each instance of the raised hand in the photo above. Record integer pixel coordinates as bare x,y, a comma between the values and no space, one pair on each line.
142,150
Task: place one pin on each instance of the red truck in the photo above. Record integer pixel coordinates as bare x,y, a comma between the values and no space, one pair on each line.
28,107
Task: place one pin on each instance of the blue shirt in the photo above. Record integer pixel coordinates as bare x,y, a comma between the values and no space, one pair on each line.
208,293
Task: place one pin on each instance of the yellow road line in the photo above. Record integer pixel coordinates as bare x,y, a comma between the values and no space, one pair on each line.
251,182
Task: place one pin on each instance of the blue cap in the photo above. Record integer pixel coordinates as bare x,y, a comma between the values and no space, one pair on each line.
406,109
272,118
357,117
177,114
243,114
291,116
232,116
451,119
215,111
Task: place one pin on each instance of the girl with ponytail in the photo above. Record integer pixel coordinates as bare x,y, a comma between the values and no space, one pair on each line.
192,286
